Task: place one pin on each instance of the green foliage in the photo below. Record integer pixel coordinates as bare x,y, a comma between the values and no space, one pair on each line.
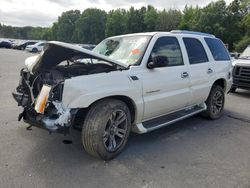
213,19
243,23
66,25
116,22
233,23
242,44
150,17
230,22
190,18
168,20
90,27
246,24
134,22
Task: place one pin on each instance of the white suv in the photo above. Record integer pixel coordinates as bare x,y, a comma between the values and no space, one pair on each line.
139,82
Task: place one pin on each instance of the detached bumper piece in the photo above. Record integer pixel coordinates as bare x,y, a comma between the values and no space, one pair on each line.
30,116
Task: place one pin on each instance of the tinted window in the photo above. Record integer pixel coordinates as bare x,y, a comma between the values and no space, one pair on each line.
169,49
195,50
217,49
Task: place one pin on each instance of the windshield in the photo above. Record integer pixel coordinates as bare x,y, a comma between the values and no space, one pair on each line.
246,53
126,49
39,43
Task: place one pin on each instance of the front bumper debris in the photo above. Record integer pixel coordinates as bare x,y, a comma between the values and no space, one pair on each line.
51,124
21,98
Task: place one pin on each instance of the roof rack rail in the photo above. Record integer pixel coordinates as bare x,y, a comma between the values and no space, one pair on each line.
192,32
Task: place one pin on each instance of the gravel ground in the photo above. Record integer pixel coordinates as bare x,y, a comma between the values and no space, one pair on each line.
191,153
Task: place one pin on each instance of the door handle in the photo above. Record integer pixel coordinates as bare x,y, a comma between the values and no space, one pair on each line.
184,75
209,71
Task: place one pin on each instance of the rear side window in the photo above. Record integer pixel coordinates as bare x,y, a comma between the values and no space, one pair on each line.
195,50
217,49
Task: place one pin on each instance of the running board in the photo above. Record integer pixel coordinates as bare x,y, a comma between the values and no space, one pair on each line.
168,119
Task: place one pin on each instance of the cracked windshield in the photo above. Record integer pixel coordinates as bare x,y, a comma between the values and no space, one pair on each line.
127,50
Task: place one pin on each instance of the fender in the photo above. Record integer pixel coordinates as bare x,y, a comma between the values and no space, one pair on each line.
82,91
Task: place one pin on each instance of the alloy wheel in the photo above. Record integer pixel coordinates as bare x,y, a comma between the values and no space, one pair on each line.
115,131
217,102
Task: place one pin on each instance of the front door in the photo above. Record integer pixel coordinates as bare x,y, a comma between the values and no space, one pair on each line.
166,88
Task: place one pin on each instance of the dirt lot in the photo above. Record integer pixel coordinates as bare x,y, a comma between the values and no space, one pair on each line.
191,153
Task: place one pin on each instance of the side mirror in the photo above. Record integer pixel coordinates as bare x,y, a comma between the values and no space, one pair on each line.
157,61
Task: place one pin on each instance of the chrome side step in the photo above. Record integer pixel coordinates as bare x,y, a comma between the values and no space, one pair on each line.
168,119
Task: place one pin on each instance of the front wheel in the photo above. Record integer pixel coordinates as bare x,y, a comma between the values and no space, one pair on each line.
106,128
215,103
34,50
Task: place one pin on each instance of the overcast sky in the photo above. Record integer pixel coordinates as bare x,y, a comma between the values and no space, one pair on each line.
45,12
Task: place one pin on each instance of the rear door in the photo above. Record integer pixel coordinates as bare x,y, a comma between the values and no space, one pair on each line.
220,60
199,69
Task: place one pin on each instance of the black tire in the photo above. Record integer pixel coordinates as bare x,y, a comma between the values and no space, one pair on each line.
232,89
34,50
215,103
99,132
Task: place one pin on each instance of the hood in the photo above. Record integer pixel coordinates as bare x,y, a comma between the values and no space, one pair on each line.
55,52
241,62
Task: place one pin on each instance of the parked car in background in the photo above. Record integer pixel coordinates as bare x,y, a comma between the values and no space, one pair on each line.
139,82
23,45
241,71
5,44
234,55
37,47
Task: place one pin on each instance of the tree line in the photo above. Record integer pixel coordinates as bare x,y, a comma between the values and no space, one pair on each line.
230,22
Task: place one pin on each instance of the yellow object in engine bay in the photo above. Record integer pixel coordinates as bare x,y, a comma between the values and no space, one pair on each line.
42,99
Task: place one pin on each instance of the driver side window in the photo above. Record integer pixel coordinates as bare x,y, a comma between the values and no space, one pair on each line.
167,49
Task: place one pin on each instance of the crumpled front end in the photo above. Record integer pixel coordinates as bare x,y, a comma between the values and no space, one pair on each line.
41,84
40,108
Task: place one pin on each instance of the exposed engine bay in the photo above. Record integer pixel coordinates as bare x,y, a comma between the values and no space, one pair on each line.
53,116
31,84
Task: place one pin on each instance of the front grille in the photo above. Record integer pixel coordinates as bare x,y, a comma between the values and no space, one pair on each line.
241,75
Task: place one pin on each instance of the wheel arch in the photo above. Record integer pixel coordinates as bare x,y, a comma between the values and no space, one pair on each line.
80,116
221,82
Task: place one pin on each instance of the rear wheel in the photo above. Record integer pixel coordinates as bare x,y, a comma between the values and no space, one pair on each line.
215,103
106,128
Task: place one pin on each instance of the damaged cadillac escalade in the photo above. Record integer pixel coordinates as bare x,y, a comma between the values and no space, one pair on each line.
139,82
